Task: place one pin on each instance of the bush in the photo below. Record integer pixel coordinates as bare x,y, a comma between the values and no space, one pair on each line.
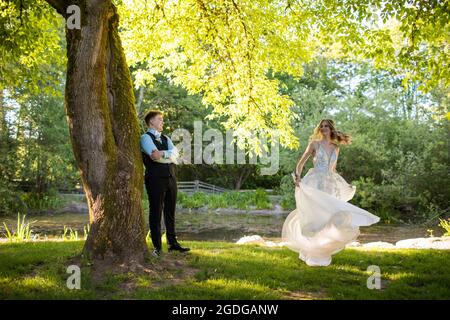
287,190
216,201
261,199
197,200
10,200
37,202
234,199
392,202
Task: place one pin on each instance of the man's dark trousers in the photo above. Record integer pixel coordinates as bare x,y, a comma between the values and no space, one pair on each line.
162,195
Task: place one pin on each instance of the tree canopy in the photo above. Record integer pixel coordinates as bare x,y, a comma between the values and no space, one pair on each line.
231,51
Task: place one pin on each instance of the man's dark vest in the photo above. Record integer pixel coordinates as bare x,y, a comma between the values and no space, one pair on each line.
155,169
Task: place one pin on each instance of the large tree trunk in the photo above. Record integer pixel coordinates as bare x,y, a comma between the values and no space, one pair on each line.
105,133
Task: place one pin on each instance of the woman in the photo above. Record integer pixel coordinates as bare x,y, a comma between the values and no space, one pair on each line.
323,222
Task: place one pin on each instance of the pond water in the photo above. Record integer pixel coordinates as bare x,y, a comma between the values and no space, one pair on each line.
211,225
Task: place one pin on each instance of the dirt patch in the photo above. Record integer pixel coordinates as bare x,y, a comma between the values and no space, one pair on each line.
169,269
306,295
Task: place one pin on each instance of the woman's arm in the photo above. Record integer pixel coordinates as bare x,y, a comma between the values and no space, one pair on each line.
299,168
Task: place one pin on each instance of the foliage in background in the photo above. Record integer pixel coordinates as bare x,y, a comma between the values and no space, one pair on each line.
257,199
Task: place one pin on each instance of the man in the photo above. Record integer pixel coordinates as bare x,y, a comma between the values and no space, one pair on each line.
159,157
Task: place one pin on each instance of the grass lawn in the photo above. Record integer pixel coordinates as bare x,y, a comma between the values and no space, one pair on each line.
220,270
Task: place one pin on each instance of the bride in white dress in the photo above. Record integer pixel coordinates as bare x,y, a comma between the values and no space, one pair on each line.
323,221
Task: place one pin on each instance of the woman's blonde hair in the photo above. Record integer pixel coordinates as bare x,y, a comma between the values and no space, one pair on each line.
336,137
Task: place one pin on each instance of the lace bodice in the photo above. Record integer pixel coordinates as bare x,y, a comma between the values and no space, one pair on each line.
322,161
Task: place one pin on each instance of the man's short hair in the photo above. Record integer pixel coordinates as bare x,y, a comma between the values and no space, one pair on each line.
151,114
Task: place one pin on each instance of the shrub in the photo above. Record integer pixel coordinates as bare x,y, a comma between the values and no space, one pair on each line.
261,199
10,199
287,189
233,199
37,202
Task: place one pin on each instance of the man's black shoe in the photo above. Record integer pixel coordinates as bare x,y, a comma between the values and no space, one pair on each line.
177,247
156,253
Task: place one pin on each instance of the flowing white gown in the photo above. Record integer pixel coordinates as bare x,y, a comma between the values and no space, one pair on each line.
323,221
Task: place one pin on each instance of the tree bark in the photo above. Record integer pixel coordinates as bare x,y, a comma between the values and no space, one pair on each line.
104,131
242,175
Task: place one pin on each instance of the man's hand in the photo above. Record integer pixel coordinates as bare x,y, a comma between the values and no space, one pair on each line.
156,154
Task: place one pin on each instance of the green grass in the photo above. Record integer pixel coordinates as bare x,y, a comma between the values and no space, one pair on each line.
219,270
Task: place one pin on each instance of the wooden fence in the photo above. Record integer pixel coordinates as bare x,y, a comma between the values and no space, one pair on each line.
199,186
